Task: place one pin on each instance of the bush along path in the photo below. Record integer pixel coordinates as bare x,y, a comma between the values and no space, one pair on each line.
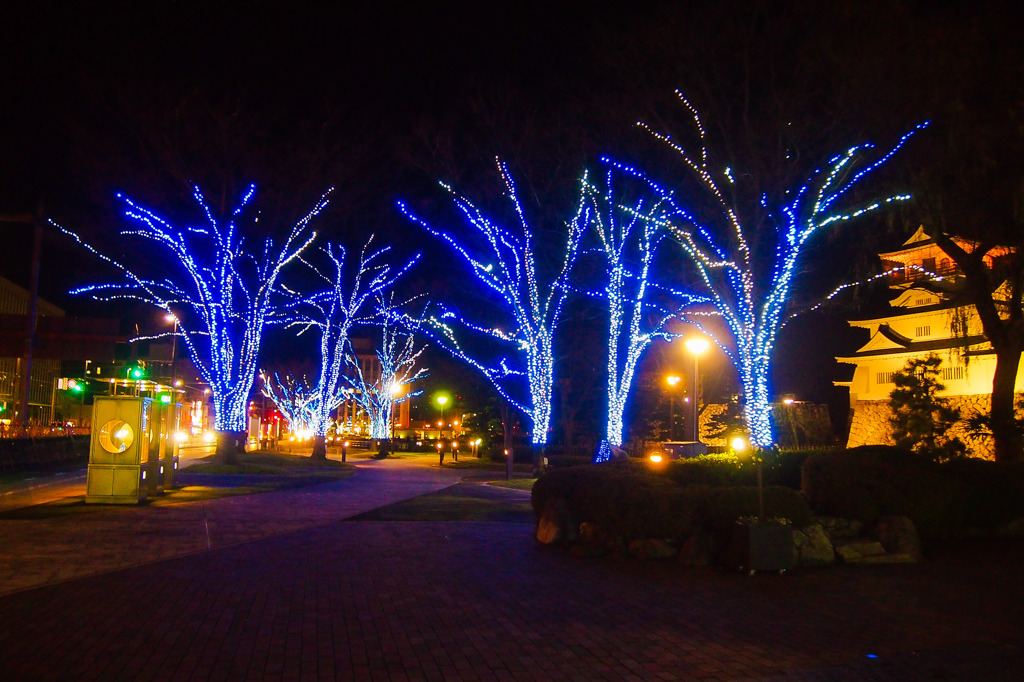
863,506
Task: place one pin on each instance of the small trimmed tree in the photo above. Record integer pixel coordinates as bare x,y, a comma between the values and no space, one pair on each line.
920,418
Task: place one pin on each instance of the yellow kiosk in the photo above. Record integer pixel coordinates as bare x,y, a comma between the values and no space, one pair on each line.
120,467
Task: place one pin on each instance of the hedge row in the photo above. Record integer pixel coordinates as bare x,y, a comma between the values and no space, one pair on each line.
779,468
944,500
629,502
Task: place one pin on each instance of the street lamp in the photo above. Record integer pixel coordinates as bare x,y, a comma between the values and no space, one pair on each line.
672,381
441,400
174,345
697,345
396,388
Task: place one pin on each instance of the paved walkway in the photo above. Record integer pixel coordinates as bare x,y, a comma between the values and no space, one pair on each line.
37,551
289,592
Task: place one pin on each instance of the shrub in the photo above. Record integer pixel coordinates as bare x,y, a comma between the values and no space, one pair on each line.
631,503
869,482
784,467
780,468
711,470
561,461
725,505
994,491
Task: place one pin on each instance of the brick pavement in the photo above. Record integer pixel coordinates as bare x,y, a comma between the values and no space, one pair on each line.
36,551
371,600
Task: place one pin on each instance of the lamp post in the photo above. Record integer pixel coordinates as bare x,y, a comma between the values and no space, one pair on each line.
174,346
697,345
396,389
441,400
672,381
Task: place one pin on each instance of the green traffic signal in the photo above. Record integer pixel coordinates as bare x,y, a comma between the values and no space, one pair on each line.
76,386
136,372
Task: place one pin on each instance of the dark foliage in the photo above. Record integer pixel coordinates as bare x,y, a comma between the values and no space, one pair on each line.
630,502
942,499
781,468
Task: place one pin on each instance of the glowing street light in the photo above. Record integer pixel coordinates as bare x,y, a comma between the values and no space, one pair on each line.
396,390
672,382
697,345
441,400
174,344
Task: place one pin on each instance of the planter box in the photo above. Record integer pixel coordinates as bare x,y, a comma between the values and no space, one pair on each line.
760,547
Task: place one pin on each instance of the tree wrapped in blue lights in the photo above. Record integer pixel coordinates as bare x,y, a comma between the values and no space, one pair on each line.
398,353
292,397
748,292
221,294
332,313
529,301
639,308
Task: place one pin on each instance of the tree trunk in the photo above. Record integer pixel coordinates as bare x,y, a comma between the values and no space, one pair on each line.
230,444
507,442
1009,446
319,447
538,458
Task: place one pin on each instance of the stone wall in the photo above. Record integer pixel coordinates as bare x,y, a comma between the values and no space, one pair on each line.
870,422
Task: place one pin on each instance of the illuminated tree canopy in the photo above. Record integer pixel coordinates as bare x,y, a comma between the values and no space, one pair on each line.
398,354
640,306
332,313
750,292
292,396
516,354
221,293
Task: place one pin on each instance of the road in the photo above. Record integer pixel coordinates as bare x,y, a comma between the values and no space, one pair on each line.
47,487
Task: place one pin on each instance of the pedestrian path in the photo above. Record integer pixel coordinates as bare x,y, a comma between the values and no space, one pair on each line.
37,551
287,586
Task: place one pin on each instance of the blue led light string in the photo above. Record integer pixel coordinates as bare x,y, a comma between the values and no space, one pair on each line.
333,312
398,351
222,305
754,318
504,263
292,396
634,321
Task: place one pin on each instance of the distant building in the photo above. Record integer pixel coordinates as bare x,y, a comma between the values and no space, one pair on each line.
60,340
924,320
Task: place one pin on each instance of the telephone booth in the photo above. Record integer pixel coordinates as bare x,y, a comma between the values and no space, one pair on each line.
120,467
169,424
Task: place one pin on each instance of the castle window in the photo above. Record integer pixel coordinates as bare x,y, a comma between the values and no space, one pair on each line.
952,373
883,377
923,331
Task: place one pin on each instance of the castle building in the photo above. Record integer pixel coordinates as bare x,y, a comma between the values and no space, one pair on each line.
925,319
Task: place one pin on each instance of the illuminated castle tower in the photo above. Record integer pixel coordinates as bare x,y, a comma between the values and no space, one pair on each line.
925,319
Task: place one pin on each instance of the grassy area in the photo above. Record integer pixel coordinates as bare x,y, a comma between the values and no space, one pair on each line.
515,484
264,473
474,464
272,464
74,506
453,506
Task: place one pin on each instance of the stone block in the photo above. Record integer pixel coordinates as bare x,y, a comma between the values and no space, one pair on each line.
813,546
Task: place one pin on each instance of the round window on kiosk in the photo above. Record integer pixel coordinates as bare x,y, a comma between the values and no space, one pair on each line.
116,436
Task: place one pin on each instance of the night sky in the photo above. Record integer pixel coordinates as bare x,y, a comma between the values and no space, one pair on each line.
381,100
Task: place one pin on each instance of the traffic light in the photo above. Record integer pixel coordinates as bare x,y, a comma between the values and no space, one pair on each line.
136,372
76,385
